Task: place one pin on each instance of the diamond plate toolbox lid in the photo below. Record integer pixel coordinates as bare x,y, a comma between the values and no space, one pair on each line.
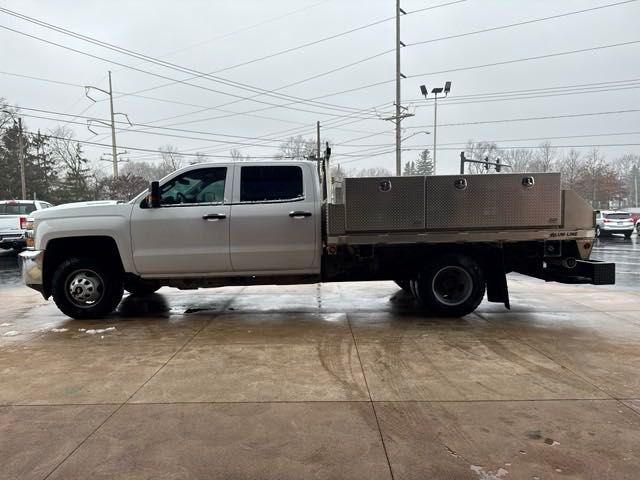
384,204
516,200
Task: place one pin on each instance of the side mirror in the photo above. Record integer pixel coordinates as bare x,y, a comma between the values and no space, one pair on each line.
154,195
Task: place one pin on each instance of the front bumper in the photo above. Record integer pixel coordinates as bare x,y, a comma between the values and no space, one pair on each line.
31,266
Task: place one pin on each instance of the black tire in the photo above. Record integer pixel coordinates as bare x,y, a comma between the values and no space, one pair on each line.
452,286
98,288
404,285
627,234
140,287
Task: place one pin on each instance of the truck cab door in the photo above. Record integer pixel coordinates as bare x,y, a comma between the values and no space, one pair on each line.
276,219
189,233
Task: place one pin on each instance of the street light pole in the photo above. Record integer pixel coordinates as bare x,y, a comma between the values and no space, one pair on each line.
435,130
446,89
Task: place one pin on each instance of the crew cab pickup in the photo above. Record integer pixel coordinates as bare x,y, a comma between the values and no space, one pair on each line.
446,239
13,221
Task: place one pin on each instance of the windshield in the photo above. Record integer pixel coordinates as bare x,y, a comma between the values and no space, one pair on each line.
16,208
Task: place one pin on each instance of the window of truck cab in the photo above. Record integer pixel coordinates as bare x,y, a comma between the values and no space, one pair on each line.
271,184
194,187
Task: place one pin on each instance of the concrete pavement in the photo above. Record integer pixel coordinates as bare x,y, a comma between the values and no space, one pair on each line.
331,381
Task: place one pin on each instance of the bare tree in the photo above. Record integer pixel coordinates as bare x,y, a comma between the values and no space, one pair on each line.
236,155
628,167
480,151
571,168
146,170
371,172
172,160
544,158
68,153
296,148
519,159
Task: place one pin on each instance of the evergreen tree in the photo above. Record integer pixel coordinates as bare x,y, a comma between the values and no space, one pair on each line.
424,163
409,169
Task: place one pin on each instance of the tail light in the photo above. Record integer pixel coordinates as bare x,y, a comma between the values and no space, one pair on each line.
23,223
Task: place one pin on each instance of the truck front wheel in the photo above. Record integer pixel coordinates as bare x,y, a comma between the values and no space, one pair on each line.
85,288
452,286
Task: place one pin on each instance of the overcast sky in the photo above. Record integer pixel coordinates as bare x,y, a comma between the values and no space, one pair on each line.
208,36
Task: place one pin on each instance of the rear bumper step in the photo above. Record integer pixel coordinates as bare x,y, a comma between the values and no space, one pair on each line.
586,271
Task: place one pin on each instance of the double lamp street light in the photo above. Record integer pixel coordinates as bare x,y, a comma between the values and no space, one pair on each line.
436,91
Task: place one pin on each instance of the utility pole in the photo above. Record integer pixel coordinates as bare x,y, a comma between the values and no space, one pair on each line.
113,131
111,124
400,111
23,181
318,139
398,95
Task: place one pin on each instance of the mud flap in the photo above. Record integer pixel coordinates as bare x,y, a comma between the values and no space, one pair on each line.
497,289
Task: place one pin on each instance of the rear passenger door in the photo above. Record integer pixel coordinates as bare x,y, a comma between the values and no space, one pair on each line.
274,220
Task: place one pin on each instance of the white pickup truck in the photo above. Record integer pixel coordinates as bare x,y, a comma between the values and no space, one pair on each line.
13,221
446,239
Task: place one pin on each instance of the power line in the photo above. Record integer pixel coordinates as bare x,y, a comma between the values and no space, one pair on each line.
527,119
485,65
528,97
166,64
519,24
535,90
163,63
411,147
140,149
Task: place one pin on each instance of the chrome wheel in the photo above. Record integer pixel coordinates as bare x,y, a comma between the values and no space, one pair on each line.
452,285
84,288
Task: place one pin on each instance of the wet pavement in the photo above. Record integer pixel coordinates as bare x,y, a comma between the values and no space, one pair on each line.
325,381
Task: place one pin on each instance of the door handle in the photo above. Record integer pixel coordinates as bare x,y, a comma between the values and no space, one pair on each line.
214,216
299,214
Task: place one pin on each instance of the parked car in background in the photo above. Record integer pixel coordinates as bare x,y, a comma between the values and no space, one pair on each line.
13,221
609,222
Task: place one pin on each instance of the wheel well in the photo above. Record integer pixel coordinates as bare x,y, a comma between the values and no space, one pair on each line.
61,249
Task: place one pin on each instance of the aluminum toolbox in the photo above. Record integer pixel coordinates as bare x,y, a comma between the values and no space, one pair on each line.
451,202
384,204
517,200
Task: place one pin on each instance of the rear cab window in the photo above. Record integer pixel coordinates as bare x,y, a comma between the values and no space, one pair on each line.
17,208
271,183
618,216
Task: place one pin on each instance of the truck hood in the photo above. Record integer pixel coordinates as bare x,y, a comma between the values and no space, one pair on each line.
83,209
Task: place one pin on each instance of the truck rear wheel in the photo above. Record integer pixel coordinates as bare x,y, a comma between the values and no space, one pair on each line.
452,286
85,288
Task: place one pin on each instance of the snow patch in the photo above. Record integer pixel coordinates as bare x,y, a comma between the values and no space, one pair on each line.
93,331
491,474
59,330
11,333
5,324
